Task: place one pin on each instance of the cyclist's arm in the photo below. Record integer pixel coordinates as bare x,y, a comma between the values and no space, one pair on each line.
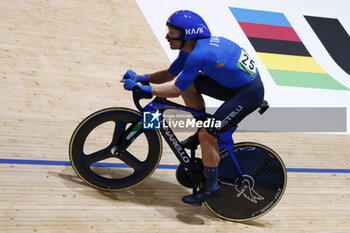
167,91
184,80
162,76
174,70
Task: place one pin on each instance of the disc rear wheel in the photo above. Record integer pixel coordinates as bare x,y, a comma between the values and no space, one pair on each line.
257,191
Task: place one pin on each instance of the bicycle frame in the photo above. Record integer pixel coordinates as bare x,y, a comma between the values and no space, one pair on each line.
225,141
252,194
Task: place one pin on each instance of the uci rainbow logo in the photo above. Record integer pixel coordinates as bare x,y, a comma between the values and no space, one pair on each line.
284,54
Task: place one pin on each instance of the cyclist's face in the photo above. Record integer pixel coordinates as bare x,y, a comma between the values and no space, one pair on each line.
172,36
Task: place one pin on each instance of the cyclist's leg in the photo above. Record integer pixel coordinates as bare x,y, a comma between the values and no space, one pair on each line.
203,84
244,101
209,145
193,99
210,149
208,142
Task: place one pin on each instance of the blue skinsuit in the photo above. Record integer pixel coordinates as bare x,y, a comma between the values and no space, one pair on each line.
216,57
221,69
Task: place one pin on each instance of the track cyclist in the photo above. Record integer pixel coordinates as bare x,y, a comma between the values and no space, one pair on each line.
210,65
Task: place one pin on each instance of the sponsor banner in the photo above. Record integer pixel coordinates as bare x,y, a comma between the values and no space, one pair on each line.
284,119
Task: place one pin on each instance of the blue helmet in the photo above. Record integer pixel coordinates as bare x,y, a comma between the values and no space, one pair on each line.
190,25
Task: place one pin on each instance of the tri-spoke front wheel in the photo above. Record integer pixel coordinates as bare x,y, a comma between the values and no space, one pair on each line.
96,158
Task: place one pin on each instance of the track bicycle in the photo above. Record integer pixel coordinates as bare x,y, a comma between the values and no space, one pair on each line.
252,176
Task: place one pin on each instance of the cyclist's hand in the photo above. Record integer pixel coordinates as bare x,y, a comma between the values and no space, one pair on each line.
137,78
130,84
130,75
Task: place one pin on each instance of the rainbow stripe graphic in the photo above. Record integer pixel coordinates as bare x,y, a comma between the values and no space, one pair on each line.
281,50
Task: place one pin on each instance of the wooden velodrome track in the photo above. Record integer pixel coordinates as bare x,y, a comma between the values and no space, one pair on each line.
62,60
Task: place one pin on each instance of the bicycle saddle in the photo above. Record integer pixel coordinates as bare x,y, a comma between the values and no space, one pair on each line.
264,106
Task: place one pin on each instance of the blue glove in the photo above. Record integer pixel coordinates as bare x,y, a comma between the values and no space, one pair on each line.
141,78
137,78
130,84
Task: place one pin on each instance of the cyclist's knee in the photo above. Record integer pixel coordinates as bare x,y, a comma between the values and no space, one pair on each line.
205,137
191,90
193,99
190,93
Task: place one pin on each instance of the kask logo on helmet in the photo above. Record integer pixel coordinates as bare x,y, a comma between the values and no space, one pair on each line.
193,31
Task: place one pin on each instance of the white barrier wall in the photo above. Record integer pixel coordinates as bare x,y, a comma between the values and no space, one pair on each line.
222,22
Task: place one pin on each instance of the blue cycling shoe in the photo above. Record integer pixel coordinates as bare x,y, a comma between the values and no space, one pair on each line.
200,197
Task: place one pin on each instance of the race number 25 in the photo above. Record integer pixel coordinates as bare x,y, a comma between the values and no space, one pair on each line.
246,64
